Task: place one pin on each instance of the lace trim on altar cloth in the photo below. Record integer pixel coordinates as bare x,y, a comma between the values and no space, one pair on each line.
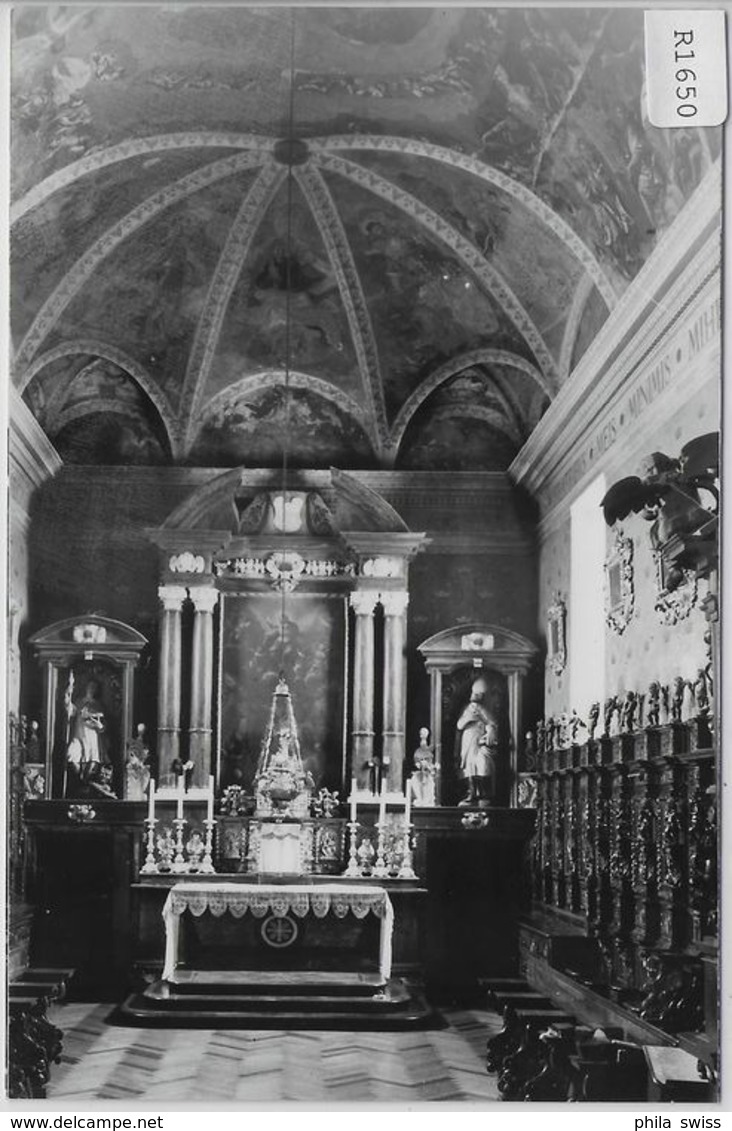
259,902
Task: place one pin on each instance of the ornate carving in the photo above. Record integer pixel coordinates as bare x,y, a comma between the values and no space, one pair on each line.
186,562
619,585
556,616
260,567
89,634
204,598
674,605
394,602
382,567
172,597
363,601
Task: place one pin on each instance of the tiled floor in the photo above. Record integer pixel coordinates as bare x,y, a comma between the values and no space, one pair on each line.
107,1062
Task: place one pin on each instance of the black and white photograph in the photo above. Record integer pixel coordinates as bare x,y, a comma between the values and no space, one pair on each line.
363,696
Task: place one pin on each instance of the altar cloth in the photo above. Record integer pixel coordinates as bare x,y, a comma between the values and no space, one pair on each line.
259,899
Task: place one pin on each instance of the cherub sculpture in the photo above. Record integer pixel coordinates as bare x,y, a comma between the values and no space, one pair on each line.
701,695
677,701
628,713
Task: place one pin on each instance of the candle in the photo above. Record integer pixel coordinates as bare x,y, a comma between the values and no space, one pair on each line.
209,813
382,803
407,804
179,813
151,801
353,800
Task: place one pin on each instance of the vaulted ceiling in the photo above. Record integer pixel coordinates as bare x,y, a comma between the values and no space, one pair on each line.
432,222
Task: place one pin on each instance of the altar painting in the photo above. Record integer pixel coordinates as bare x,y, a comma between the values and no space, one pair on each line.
314,665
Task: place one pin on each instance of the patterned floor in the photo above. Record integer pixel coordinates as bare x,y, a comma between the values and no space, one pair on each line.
107,1062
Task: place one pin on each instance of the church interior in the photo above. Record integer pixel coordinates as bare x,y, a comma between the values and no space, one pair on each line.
362,578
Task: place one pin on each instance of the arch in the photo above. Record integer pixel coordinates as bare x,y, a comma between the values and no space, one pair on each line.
259,382
147,210
218,494
468,254
94,348
87,408
497,647
334,237
470,164
571,329
135,147
451,369
494,418
228,269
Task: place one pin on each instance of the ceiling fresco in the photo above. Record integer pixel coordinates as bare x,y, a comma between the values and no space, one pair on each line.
429,228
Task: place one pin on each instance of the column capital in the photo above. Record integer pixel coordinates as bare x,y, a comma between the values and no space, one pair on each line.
395,602
363,601
172,597
204,598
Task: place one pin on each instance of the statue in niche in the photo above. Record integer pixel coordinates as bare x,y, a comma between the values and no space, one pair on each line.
86,749
478,736
422,781
137,771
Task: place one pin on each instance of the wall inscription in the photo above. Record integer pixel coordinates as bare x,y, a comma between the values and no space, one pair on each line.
644,392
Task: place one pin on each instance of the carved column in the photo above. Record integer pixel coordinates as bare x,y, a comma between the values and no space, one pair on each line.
169,675
515,714
395,683
436,723
363,602
204,598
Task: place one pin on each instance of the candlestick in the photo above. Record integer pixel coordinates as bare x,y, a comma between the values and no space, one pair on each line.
353,868
380,867
406,871
151,801
150,864
382,802
179,863
207,862
179,811
407,803
353,799
209,810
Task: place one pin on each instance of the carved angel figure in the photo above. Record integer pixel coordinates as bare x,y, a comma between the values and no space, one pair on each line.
628,713
593,718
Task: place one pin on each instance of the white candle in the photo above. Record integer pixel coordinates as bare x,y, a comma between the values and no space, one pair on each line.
151,800
179,813
407,803
209,814
382,802
353,800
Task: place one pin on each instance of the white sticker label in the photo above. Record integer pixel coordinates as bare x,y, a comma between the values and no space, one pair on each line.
686,67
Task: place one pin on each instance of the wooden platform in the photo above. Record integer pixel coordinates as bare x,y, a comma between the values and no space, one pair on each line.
299,999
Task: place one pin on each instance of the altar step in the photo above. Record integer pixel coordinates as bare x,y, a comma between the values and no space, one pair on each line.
278,982
277,1000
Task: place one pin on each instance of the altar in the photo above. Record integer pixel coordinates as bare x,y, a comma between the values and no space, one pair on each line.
280,903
